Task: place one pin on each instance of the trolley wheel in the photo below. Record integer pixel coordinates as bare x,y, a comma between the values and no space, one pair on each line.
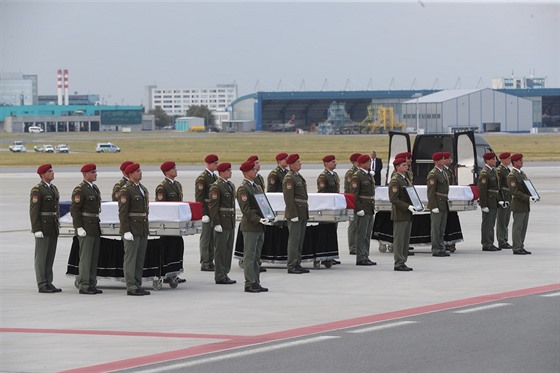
382,248
77,282
240,263
451,248
390,248
157,284
317,265
327,263
173,282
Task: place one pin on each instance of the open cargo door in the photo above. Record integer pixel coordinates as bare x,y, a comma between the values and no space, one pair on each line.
398,143
464,158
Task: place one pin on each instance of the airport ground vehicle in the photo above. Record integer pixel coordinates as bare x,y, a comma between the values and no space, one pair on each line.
35,129
17,147
107,147
47,148
62,148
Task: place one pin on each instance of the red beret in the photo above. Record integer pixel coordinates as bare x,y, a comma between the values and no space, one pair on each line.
437,156
253,158
399,161
446,155
166,166
211,158
281,156
131,168
505,155
329,158
354,157
88,167
44,168
292,158
516,157
488,156
125,164
223,166
403,155
364,158
247,166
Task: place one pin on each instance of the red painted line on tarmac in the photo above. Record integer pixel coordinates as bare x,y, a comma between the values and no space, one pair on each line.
239,342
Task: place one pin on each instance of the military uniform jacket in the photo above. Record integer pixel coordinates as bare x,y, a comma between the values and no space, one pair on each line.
450,176
117,188
521,198
133,209
348,179
202,188
438,189
259,180
363,189
294,188
222,204
43,209
250,222
488,188
275,178
328,182
169,190
409,176
85,208
399,198
503,173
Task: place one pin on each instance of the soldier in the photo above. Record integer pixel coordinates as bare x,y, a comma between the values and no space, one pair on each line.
348,190
43,212
222,217
409,174
202,188
294,188
504,213
401,214
438,188
85,209
259,179
122,182
133,217
488,190
329,182
451,215
171,190
363,188
520,205
252,228
276,176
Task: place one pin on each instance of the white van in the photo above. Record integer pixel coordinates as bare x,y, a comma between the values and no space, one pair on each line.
35,129
107,147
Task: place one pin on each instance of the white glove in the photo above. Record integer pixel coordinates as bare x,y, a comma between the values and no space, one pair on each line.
206,219
294,220
435,211
128,236
485,209
411,209
372,173
39,234
534,199
265,221
218,228
81,232
501,203
361,213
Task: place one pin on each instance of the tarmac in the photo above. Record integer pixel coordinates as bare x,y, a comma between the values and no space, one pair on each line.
111,331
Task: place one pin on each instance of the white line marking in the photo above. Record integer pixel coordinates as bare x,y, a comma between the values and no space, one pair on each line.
235,355
550,295
381,327
482,308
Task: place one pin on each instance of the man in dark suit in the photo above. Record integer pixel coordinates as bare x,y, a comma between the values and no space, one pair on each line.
376,165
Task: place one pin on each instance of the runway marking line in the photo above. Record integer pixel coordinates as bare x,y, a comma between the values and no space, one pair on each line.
245,341
381,327
482,308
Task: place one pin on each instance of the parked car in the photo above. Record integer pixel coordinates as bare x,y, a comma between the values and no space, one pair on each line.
107,147
62,148
17,147
48,148
35,129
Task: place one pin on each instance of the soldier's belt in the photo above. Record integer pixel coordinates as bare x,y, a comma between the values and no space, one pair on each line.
505,189
49,214
226,209
493,191
300,200
90,215
207,200
367,197
441,194
137,214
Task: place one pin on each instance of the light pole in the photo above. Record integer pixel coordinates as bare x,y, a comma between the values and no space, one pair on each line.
417,96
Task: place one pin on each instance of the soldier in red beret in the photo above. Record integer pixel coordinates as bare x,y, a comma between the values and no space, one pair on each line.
259,179
329,182
438,189
275,177
409,174
489,196
43,211
348,190
521,200
85,209
202,188
363,188
504,212
117,187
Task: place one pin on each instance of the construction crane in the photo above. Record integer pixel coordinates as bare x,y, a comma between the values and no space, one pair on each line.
380,119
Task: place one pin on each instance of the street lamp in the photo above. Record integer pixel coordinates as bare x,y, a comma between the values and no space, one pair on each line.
417,96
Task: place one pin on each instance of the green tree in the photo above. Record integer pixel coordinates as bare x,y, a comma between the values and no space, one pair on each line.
202,111
161,117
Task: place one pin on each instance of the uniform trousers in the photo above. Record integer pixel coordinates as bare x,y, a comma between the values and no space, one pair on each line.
364,228
502,223
223,253
352,235
45,251
437,231
519,229
295,242
252,246
133,262
487,227
401,240
206,245
89,256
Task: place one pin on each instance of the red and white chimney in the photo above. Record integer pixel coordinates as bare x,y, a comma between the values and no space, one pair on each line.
59,86
66,100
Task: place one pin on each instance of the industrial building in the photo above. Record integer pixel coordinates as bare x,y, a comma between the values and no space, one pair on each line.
18,89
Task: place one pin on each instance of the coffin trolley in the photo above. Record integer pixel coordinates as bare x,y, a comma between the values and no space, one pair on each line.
168,222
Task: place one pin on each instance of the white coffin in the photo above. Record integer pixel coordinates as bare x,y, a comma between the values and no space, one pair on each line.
460,198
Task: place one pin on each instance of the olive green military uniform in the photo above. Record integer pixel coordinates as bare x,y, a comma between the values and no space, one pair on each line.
43,211
85,208
275,178
520,206
352,220
488,190
437,189
117,188
259,180
504,214
222,212
294,188
363,188
253,232
133,217
328,182
202,188
401,217
408,175
169,190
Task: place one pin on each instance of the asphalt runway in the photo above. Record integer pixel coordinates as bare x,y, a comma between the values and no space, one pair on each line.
72,332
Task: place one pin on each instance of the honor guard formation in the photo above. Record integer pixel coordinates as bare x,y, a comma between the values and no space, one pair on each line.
502,191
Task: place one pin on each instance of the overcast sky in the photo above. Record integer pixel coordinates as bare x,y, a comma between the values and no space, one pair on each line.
116,48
